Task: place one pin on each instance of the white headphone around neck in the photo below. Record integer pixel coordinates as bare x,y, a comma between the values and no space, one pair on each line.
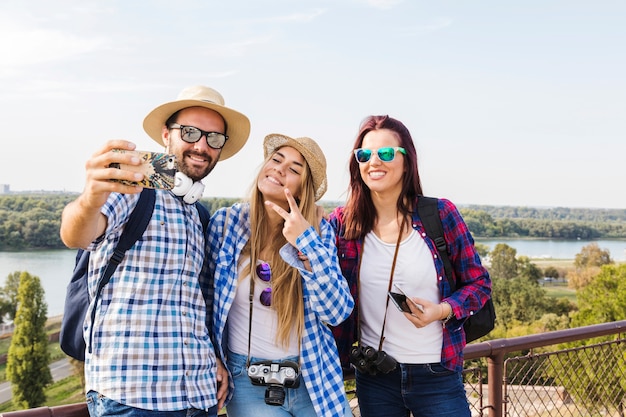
188,189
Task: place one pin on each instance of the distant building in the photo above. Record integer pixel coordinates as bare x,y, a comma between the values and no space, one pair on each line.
5,188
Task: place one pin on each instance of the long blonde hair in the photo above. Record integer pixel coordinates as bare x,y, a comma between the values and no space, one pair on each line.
287,297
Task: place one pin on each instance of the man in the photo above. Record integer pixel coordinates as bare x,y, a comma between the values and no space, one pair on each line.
150,350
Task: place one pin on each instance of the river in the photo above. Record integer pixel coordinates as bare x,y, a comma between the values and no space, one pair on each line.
558,249
54,267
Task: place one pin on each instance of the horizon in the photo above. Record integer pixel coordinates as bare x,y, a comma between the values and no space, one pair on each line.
323,200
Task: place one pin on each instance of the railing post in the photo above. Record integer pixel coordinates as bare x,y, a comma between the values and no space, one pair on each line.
495,369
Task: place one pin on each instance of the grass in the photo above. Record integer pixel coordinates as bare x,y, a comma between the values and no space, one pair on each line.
65,391
559,290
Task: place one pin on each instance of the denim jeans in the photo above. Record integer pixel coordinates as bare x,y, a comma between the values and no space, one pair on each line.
249,400
422,389
101,406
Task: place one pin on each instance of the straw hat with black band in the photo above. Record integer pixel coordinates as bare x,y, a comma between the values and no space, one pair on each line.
237,124
311,152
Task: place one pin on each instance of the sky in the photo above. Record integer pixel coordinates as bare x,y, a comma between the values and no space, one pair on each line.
509,103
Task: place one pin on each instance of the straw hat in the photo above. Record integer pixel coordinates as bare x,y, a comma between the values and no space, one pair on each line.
311,152
237,124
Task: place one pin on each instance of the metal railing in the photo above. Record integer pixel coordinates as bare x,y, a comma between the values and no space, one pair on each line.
548,377
587,380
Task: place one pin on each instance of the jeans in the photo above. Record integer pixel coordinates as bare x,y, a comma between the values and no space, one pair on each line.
422,389
101,406
249,400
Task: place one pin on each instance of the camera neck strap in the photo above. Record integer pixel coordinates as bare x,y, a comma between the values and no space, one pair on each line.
251,300
393,268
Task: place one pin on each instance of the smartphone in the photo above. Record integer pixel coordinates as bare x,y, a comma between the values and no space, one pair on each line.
400,299
159,169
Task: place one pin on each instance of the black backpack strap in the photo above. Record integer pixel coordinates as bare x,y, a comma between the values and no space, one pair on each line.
134,229
204,214
427,208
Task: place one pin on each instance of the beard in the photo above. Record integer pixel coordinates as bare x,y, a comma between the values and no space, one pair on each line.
195,173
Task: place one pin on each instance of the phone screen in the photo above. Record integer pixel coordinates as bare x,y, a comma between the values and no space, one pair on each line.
404,298
400,301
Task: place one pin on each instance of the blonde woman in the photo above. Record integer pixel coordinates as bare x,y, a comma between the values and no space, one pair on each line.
278,286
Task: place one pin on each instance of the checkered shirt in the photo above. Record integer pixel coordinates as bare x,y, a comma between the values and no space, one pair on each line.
151,348
327,300
464,301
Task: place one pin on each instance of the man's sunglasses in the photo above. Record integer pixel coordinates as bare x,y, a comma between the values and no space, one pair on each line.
192,134
387,154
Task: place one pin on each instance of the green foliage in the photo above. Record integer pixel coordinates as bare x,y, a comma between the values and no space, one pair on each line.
503,261
551,272
528,270
611,216
587,265
592,378
519,301
554,223
482,249
604,299
212,204
8,297
28,358
31,221
592,255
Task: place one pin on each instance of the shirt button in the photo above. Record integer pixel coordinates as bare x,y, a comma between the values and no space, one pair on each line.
184,313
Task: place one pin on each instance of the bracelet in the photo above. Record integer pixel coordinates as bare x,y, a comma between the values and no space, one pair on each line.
449,316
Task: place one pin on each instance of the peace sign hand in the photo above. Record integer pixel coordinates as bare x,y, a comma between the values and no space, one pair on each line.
295,223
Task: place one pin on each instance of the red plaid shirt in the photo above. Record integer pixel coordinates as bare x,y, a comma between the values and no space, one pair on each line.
468,298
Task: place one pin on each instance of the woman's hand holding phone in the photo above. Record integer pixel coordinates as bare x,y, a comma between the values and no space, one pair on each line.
400,300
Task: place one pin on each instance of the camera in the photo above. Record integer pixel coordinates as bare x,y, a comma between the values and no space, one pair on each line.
276,376
366,359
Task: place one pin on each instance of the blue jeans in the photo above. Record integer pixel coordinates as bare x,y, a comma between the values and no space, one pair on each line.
422,389
101,406
249,400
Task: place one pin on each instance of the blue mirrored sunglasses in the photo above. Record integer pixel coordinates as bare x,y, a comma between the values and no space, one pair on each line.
387,154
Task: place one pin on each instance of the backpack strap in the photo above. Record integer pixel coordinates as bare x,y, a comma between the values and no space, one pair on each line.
205,279
427,208
134,229
204,214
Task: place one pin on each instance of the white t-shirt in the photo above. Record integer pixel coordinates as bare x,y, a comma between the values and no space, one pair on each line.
264,322
415,273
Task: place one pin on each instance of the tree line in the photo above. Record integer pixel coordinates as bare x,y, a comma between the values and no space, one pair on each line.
32,221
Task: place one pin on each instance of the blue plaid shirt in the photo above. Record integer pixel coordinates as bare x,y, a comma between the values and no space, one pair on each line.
327,300
151,347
